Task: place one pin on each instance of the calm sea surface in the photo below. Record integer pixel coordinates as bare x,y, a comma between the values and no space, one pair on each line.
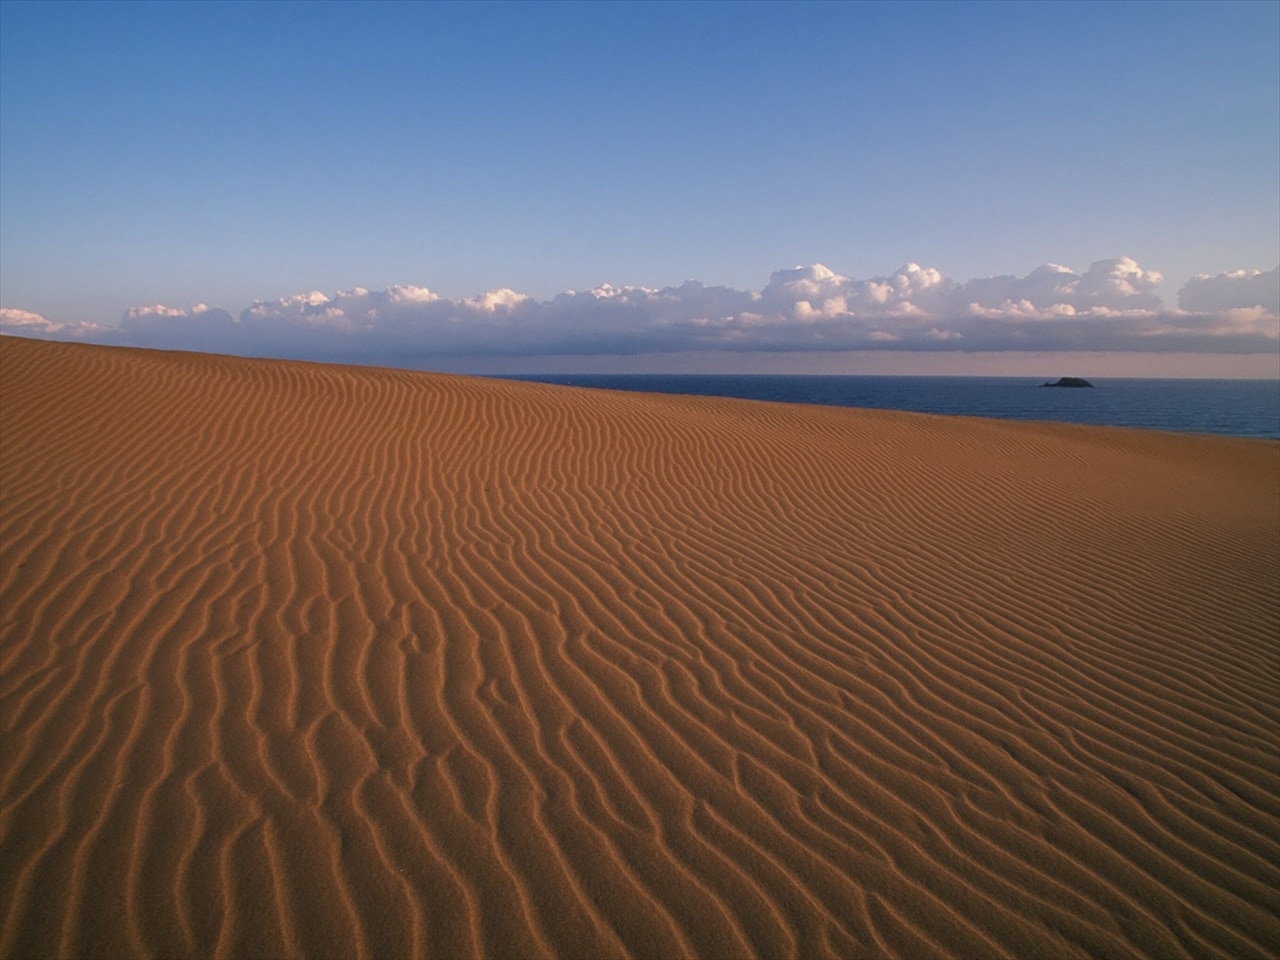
1244,408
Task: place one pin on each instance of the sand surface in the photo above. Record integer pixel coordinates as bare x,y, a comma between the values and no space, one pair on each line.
313,661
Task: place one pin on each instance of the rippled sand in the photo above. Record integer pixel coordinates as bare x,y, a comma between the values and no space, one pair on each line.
305,660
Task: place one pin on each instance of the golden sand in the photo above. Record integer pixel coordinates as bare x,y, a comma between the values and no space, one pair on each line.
319,661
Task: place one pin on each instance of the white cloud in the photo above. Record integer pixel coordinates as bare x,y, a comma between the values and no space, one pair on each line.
410,294
27,324
1110,306
1054,291
159,310
200,327
25,320
497,301
1230,291
817,292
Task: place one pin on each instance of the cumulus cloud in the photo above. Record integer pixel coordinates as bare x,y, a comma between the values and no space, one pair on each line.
1240,289
24,323
16,320
1107,288
497,301
198,328
1113,305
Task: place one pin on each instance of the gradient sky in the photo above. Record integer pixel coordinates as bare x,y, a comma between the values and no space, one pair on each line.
186,174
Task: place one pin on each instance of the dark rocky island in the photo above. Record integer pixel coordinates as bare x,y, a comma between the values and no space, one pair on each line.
1069,382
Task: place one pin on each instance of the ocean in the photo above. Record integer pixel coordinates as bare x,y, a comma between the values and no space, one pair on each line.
1243,408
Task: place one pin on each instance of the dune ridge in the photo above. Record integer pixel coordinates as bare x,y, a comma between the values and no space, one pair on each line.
308,660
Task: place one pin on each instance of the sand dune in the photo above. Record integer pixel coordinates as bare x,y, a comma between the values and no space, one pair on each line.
304,660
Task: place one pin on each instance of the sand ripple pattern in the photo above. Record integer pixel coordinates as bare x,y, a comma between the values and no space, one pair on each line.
311,661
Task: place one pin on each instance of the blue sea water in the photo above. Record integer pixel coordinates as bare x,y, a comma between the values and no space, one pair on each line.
1244,408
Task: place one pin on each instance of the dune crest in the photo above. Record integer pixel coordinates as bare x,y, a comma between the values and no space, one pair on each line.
307,660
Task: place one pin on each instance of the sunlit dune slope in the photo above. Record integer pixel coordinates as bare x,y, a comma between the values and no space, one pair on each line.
305,660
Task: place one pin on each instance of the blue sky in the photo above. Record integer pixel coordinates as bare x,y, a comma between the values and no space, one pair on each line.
156,158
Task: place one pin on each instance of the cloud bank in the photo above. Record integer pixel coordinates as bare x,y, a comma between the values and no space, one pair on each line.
1111,306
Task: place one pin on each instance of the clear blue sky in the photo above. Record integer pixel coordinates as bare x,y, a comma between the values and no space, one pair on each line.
226,153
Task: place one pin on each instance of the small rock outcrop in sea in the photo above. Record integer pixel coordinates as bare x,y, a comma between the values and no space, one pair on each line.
1069,382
